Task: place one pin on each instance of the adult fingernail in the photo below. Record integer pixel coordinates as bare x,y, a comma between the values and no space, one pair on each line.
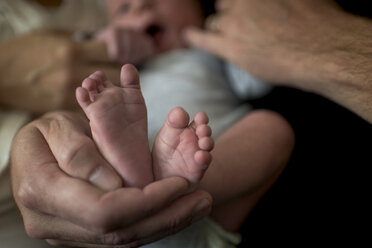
201,210
105,179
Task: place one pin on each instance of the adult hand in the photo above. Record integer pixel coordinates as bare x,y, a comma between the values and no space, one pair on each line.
313,45
126,46
48,66
73,211
279,41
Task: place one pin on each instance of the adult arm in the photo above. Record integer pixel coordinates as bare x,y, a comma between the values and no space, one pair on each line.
73,211
40,71
313,45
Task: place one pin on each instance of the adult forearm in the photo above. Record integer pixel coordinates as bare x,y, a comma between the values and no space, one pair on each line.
344,72
311,45
40,71
31,76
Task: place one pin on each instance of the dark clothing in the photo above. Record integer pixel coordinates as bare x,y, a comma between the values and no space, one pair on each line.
358,7
323,195
325,189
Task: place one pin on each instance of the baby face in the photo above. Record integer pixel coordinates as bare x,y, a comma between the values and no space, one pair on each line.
163,20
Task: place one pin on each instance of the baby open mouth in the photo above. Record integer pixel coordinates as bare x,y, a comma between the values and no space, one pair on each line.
157,32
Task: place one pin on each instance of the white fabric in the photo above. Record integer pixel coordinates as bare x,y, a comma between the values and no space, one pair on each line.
196,81
193,80
10,122
22,16
19,17
12,232
203,234
245,86
6,201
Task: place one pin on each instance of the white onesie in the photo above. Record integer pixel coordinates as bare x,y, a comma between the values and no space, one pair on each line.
19,17
194,80
197,82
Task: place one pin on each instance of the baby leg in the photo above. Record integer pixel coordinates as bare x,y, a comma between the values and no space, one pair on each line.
118,120
247,160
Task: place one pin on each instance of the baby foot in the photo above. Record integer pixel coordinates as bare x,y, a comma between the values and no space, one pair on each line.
118,120
183,149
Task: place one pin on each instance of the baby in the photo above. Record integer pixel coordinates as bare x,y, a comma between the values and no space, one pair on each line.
121,133
149,33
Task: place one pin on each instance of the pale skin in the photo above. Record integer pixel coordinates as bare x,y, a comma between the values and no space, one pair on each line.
277,41
113,221
118,120
100,212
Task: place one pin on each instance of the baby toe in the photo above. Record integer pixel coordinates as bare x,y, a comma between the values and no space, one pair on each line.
201,118
99,76
203,131
203,158
129,76
82,97
178,118
206,143
90,85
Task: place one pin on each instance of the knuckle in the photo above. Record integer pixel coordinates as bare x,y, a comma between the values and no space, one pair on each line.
33,230
66,51
54,242
24,194
70,155
57,120
174,224
118,238
102,219
58,95
225,22
231,24
98,221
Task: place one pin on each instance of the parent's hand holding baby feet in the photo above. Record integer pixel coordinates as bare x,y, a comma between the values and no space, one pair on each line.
118,120
71,210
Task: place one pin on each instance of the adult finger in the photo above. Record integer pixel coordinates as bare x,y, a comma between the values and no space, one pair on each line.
75,152
48,190
92,51
175,217
178,216
42,226
40,186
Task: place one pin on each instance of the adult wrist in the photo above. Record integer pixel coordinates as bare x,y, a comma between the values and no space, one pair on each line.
346,69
